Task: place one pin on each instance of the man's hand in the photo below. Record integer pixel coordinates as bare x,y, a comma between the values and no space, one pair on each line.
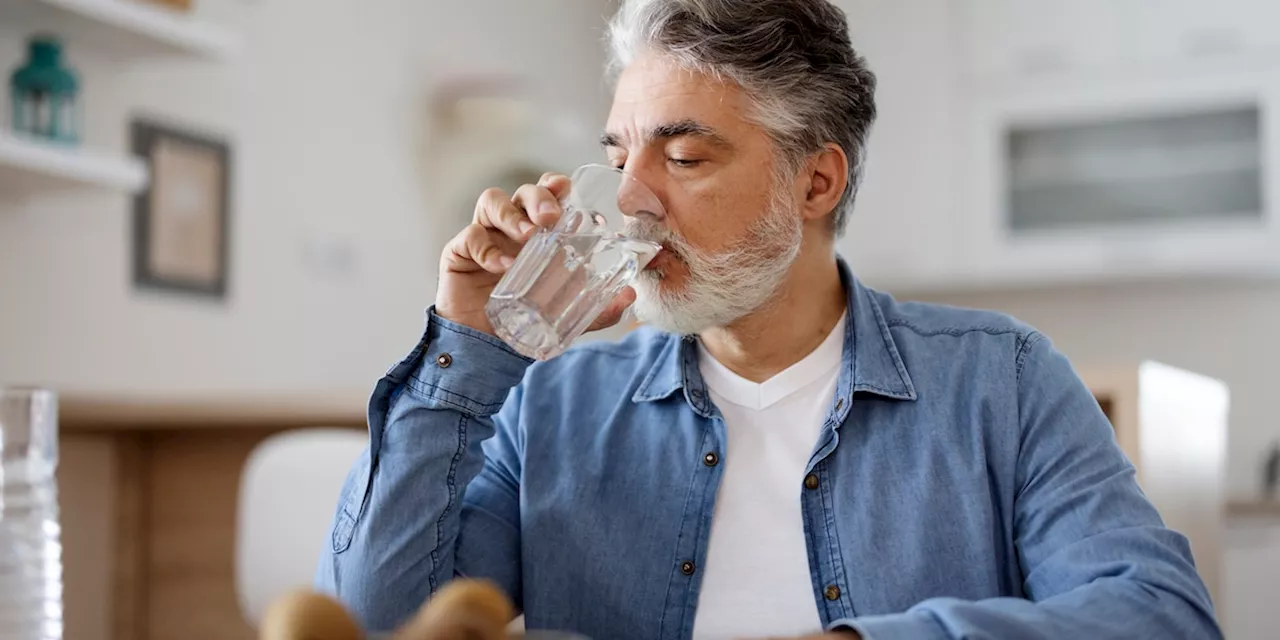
476,258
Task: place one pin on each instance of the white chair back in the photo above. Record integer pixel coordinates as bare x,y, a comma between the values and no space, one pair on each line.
288,495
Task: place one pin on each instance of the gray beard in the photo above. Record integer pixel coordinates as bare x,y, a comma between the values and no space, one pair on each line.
721,288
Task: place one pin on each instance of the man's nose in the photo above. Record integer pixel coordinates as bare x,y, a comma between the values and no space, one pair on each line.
638,200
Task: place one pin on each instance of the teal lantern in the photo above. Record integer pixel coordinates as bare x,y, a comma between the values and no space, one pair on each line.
44,94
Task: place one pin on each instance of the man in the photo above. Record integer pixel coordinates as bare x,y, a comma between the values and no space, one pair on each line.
783,452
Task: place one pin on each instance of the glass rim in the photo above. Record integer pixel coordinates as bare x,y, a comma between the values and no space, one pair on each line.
32,392
593,167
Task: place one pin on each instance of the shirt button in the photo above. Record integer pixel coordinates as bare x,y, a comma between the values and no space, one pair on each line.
444,360
832,592
811,481
839,403
687,568
711,459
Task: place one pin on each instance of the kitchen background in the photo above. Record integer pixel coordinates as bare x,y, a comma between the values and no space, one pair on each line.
1100,168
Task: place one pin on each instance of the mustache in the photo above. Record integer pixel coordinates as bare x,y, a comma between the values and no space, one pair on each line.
651,231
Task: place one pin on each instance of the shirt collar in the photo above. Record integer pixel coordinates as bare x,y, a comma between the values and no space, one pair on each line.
871,362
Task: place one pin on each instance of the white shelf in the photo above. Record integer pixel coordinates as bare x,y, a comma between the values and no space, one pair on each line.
28,166
120,28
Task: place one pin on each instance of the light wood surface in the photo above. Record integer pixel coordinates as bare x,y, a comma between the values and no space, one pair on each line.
88,412
194,482
132,536
86,465
150,488
1254,508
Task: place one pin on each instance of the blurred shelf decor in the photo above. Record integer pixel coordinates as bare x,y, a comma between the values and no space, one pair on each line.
182,221
122,28
44,94
28,166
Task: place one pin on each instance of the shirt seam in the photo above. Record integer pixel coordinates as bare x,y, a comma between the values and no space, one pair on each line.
956,331
1024,349
453,399
451,482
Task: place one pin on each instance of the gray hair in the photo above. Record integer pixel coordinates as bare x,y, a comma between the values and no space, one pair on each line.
792,58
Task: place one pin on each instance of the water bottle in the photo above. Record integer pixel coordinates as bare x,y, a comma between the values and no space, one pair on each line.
30,536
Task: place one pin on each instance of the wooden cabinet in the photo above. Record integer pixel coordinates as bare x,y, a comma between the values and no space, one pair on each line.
148,493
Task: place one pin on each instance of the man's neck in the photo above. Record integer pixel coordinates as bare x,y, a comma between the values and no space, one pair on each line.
808,306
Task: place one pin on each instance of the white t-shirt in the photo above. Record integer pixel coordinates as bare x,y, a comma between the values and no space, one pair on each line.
756,581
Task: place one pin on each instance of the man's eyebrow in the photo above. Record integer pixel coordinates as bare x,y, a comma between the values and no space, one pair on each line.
677,129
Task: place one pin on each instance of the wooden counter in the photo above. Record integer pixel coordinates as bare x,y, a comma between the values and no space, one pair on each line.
148,495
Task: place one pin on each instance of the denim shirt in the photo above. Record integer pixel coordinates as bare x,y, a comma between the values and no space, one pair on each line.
965,484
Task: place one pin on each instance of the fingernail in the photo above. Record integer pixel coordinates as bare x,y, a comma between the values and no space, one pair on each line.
506,261
548,206
526,226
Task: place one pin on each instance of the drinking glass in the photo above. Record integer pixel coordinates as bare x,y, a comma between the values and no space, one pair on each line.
565,276
30,537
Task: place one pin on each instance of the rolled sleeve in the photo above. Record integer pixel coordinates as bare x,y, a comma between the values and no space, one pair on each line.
457,367
913,625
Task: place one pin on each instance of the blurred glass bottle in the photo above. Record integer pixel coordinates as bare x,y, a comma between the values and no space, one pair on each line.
43,94
30,534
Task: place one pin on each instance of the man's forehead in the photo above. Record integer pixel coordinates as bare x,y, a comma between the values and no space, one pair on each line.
657,99
652,78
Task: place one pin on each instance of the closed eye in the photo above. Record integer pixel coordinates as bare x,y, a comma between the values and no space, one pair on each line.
684,163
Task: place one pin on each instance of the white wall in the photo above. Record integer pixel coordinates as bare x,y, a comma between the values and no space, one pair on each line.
325,111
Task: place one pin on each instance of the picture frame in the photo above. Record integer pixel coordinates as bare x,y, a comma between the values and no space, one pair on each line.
181,221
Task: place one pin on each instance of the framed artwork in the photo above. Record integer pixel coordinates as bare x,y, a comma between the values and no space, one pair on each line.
181,222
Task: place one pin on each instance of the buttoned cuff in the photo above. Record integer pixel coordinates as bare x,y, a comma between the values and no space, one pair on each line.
913,625
457,367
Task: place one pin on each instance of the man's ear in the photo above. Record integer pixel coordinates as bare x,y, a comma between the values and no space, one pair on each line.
828,176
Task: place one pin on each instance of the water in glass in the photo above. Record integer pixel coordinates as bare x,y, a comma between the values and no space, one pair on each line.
565,276
30,535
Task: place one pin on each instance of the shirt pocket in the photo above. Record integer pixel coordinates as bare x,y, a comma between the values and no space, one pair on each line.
351,502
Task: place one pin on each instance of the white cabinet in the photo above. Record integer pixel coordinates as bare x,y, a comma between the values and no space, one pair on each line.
1099,140
1010,38
1203,30
1165,178
1034,142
